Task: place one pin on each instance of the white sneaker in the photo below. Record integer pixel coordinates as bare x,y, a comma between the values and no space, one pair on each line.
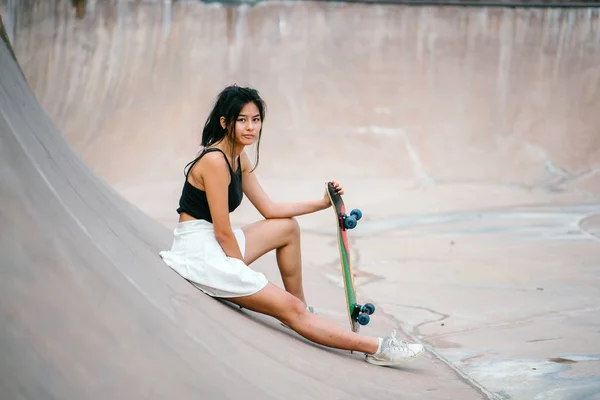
394,351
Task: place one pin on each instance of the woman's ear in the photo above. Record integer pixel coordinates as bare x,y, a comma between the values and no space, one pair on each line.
222,120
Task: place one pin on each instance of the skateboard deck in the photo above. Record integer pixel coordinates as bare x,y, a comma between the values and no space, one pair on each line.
357,314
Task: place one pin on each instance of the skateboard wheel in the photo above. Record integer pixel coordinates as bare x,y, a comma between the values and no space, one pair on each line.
350,222
356,213
363,319
369,308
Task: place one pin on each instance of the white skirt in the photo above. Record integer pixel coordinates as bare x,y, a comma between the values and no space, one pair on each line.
197,256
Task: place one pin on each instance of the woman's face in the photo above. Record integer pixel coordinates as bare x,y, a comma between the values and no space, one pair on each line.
248,125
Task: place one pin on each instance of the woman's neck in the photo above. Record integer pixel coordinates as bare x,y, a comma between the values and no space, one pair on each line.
226,147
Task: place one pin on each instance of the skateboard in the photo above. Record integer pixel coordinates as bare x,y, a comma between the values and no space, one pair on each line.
358,314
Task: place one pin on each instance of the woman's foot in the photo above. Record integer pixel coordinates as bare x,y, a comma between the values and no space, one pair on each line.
393,351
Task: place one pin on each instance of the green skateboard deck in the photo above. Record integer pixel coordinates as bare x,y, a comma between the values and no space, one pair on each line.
357,314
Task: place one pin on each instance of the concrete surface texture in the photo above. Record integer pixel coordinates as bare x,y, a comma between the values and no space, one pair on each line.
469,138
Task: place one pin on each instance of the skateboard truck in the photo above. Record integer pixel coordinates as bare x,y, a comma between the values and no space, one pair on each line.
361,313
349,221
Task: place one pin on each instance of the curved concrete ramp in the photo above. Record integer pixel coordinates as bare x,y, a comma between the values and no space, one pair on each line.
478,125
88,310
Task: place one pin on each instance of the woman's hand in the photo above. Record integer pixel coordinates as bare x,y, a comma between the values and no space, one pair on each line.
338,189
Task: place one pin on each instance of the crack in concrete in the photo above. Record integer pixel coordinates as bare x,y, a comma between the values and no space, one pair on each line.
418,167
574,215
393,223
464,376
414,333
543,340
594,230
512,323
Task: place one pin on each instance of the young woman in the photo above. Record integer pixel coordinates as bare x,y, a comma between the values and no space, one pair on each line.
216,258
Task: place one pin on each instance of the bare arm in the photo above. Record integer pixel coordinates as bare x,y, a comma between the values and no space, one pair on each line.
270,209
216,178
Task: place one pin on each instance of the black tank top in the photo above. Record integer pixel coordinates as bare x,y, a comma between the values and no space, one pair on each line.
193,200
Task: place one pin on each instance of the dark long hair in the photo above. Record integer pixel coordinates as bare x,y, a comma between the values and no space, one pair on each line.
229,104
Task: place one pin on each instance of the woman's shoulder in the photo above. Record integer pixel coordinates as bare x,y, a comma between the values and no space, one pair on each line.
245,162
211,161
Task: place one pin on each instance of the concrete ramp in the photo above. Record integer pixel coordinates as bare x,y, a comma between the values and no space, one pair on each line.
88,310
468,136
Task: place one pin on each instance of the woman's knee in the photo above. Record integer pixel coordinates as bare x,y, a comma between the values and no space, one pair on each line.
292,227
286,229
293,311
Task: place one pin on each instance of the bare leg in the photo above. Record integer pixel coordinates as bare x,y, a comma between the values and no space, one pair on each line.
291,311
283,236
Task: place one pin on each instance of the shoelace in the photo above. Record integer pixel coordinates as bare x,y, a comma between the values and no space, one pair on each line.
396,344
